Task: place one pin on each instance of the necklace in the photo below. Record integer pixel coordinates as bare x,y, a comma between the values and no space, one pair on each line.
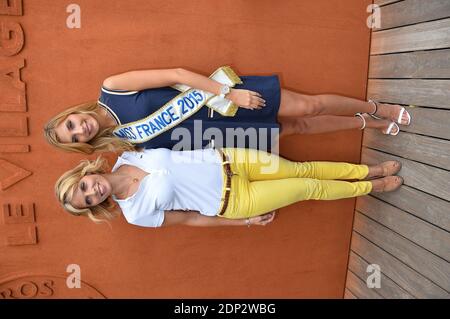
135,180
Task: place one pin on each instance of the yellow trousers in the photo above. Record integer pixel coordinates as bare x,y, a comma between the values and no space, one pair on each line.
264,182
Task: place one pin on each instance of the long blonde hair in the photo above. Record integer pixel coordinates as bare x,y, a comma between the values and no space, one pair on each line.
66,184
104,141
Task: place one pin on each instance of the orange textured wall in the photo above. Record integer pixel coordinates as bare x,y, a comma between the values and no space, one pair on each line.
318,46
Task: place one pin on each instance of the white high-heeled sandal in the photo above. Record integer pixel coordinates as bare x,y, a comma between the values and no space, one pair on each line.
399,119
390,127
363,120
387,132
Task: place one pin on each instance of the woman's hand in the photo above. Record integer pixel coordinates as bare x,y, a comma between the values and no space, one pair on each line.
262,220
246,99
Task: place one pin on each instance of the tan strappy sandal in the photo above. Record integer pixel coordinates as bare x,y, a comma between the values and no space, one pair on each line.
390,183
390,168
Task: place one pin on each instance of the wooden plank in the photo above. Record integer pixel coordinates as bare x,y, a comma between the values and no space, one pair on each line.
407,278
359,287
349,295
414,65
427,207
423,36
415,147
388,288
429,122
431,180
416,230
432,93
413,11
429,265
385,2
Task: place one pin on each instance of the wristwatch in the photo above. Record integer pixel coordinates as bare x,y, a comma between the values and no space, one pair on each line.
224,90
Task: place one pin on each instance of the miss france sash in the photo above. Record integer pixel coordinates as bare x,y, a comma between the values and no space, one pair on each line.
180,108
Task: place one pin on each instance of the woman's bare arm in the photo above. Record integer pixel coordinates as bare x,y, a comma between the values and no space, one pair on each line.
142,79
146,79
193,218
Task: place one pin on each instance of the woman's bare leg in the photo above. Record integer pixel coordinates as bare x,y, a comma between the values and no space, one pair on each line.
327,124
294,104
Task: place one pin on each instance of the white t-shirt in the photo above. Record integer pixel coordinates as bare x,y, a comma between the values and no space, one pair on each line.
177,180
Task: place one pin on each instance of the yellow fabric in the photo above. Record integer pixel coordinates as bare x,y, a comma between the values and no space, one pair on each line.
265,182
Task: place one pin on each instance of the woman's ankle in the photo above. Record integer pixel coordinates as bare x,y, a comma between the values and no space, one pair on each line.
377,185
375,170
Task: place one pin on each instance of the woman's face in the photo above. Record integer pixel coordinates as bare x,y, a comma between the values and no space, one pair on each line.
91,190
77,128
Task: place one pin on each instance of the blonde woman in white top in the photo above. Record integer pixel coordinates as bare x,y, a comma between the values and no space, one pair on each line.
208,187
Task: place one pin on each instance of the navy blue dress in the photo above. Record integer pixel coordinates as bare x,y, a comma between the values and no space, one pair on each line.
248,128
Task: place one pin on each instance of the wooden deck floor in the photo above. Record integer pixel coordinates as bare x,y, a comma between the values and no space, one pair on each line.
407,232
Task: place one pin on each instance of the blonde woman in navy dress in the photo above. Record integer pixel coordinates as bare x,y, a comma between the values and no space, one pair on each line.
125,115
